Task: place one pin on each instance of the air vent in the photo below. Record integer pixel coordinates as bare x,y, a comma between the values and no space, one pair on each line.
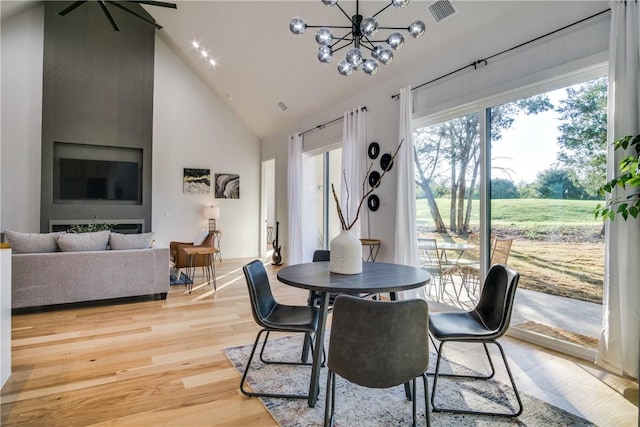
441,10
283,106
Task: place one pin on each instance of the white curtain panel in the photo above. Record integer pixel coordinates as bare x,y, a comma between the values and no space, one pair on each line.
406,243
619,341
294,193
354,139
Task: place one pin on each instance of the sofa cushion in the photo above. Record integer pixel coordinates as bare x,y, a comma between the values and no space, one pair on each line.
32,242
119,241
80,242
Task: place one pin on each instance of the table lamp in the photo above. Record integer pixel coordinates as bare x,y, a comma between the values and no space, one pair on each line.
212,213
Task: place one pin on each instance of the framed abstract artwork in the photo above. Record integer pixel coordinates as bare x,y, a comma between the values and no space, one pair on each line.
227,186
196,181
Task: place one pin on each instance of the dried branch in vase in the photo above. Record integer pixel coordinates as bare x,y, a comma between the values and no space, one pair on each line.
345,220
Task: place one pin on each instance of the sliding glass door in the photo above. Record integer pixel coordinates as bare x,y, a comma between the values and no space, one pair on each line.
515,182
547,160
320,224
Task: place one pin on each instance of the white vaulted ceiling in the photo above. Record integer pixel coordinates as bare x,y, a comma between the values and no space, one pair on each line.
260,63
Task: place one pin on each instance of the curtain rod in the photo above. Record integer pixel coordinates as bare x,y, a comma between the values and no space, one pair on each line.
327,123
485,61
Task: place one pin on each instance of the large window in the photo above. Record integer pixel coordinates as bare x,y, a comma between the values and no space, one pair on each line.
516,181
320,169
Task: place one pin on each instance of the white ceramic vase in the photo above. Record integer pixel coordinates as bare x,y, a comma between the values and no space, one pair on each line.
346,253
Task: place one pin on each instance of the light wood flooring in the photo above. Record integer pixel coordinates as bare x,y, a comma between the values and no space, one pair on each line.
155,363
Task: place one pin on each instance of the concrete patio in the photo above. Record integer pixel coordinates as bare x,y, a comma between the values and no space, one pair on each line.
557,312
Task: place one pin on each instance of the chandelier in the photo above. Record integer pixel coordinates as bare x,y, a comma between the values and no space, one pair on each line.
359,34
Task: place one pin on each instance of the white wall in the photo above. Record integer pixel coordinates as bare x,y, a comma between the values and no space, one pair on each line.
192,128
580,46
21,119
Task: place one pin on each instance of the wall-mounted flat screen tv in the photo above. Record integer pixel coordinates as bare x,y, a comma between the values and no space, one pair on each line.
82,179
97,173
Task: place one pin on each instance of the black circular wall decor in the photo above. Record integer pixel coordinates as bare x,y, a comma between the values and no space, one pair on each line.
386,162
373,202
374,179
374,150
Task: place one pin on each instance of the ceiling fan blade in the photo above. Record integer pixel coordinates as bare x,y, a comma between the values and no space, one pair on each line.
71,7
136,14
156,3
112,21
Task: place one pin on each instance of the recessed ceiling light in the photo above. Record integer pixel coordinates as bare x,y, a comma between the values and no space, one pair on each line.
203,52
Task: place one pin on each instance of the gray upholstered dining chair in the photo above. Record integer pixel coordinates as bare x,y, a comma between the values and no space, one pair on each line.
487,322
378,344
275,317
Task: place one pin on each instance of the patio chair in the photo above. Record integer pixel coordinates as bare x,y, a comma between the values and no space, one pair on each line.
431,261
275,317
487,322
378,344
499,250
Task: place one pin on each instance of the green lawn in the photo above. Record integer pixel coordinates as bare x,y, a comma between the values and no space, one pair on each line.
521,212
557,246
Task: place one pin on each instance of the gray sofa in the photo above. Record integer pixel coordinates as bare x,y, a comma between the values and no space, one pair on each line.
60,268
40,279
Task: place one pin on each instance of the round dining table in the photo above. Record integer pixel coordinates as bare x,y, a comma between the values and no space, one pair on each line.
376,277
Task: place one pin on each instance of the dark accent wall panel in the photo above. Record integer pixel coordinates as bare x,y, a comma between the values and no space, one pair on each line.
97,90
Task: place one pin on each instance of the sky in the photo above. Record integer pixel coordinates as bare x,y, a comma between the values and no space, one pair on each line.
529,146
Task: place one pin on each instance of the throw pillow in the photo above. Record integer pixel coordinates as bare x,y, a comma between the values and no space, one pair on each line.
119,241
80,242
200,238
32,242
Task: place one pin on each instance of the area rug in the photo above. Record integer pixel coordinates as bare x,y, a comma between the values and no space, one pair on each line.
182,280
360,406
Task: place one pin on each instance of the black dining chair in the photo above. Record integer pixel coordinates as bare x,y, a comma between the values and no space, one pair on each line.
378,344
487,322
275,317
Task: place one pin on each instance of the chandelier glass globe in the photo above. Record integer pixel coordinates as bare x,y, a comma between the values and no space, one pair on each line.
329,3
386,56
416,29
324,36
354,57
325,55
395,41
344,68
297,26
369,26
399,3
370,66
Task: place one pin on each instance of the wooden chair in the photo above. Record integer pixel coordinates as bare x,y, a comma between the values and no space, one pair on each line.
430,260
179,257
499,250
